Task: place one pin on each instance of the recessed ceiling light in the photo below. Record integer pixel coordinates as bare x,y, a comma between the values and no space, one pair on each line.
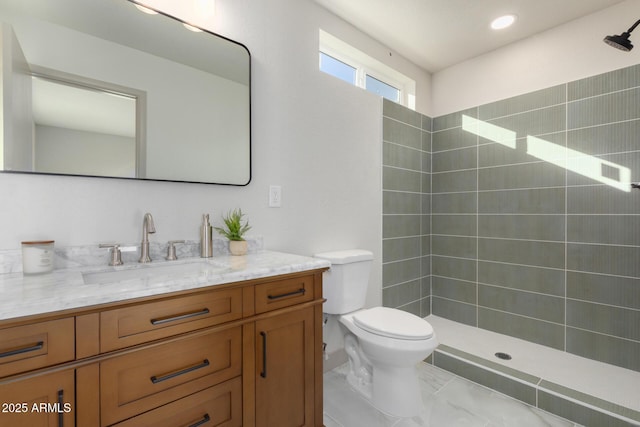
503,22
192,28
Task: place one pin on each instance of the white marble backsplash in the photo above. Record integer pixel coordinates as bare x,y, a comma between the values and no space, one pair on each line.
10,261
94,256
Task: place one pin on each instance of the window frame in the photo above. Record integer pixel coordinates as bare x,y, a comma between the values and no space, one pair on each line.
366,65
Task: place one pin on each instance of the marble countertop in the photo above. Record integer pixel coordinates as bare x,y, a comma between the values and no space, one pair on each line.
66,289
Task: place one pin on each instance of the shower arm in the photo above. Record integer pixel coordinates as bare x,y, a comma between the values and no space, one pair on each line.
633,27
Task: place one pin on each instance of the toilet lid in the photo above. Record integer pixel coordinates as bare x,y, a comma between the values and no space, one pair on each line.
393,323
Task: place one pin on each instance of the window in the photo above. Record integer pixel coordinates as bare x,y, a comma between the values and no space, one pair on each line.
383,89
337,68
349,64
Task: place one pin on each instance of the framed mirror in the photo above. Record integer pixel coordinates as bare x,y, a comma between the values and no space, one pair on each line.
99,88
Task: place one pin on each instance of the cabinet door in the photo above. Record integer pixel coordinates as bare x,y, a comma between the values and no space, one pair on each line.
46,401
285,370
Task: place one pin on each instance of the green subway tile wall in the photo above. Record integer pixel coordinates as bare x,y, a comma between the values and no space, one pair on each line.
516,216
406,184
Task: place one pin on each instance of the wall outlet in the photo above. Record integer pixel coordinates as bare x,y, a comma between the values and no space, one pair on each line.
275,196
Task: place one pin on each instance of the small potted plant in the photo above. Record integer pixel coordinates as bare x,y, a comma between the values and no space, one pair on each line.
234,231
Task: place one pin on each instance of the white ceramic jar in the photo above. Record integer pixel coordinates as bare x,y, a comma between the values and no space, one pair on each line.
37,256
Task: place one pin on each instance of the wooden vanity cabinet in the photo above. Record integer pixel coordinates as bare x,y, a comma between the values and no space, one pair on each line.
243,354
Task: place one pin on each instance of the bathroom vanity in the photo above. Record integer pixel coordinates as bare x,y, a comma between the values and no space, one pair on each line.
235,345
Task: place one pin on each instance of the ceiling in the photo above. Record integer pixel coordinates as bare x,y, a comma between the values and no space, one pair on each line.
436,34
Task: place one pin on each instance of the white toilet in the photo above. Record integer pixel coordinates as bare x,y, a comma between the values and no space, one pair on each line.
384,344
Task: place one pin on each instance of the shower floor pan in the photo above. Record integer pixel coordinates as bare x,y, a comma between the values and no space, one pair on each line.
585,391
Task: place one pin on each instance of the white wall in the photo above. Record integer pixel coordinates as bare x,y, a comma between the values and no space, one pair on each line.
317,137
563,54
62,150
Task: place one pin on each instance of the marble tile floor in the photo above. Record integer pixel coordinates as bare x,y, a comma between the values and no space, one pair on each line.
449,401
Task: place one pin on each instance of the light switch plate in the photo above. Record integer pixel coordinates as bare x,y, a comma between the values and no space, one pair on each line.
275,196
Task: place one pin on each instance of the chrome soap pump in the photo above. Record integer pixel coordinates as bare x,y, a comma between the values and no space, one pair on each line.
206,238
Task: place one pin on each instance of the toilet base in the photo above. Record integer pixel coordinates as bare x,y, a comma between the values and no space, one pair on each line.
396,391
392,390
360,375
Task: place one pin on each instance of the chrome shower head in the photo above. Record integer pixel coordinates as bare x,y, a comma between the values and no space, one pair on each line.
622,41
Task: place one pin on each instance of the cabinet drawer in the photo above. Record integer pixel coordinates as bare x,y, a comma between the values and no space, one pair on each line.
23,348
138,324
217,406
283,293
148,378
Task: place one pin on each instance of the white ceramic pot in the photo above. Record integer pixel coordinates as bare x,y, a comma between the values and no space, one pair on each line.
238,247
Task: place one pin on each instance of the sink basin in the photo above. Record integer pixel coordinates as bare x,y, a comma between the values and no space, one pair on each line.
146,272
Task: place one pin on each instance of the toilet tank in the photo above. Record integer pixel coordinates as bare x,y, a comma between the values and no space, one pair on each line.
344,286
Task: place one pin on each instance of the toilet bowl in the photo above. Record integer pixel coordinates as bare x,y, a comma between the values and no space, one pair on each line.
384,345
389,345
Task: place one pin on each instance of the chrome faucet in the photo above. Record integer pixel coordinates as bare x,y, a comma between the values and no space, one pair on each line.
147,227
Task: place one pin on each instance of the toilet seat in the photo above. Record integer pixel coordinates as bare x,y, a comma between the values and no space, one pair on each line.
393,323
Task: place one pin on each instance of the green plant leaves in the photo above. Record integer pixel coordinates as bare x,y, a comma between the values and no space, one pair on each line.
235,229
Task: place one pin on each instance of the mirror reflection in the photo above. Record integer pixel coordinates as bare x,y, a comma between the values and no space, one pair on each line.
98,88
80,130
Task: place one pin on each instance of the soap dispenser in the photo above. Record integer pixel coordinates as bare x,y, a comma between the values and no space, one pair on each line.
206,238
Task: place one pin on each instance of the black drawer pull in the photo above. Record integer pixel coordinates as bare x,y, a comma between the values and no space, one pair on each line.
263,374
300,291
179,317
157,380
32,347
204,420
60,406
